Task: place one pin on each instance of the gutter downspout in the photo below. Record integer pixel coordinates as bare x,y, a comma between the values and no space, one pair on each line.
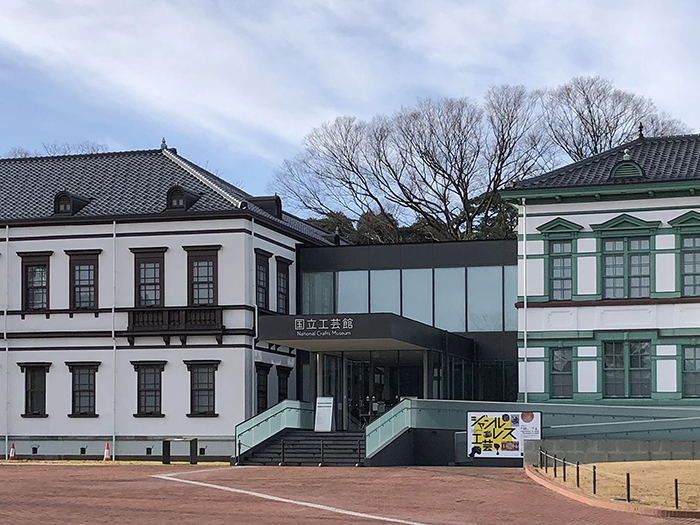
525,297
7,346
114,340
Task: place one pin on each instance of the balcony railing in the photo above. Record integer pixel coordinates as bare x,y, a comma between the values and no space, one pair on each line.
178,319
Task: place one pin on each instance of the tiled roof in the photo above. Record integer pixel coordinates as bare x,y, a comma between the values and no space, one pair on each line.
119,184
663,159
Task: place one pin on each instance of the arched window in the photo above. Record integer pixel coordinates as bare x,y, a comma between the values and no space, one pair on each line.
176,198
63,204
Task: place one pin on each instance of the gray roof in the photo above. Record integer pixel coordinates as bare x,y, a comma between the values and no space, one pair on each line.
122,183
662,159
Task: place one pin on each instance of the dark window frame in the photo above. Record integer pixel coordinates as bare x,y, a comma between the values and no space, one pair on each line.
283,266
34,398
81,392
146,256
560,374
176,199
64,205
142,368
262,372
211,366
83,258
262,278
283,373
209,253
31,260
625,369
690,370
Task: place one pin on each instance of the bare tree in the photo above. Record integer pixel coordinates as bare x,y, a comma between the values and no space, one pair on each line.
79,148
18,152
426,165
58,148
587,116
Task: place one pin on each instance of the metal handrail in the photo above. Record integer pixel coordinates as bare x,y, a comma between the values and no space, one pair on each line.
248,426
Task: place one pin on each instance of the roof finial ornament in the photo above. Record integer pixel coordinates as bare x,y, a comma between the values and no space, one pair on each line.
626,156
641,130
163,144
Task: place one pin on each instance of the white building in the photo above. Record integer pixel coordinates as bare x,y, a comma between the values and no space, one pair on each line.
131,286
609,265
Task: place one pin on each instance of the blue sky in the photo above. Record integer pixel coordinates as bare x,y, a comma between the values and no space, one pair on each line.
235,85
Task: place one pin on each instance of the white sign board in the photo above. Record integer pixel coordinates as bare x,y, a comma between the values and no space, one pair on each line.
325,420
499,434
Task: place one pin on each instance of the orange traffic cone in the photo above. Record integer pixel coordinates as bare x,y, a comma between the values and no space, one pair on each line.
107,456
12,452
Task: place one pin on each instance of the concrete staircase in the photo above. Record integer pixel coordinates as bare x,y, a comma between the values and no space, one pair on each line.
308,448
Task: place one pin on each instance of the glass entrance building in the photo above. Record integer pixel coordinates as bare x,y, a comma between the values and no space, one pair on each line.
379,323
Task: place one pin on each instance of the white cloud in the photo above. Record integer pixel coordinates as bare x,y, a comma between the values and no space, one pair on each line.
259,75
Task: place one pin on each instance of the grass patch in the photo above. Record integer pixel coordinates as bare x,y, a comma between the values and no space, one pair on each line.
651,482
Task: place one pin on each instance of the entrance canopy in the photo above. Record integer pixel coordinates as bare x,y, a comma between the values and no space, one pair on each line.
352,332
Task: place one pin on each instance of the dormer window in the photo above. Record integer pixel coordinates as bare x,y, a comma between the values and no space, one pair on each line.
68,204
180,199
64,204
626,168
177,199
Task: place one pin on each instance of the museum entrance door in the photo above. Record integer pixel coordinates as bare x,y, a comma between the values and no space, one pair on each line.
374,381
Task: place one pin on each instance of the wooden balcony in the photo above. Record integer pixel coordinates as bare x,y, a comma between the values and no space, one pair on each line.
176,321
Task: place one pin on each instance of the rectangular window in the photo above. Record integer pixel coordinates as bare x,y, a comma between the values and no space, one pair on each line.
282,383
34,388
352,292
83,388
202,387
691,371
83,279
639,267
560,270
149,374
202,274
561,375
640,369
317,293
627,369
613,369
614,269
283,286
262,370
385,291
150,276
262,279
627,268
35,280
484,298
691,265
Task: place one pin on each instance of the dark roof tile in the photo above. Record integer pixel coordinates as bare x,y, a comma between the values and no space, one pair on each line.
663,159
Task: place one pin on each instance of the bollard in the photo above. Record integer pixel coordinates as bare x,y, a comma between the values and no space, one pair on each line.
578,484
555,465
166,452
675,490
594,487
193,451
563,469
628,487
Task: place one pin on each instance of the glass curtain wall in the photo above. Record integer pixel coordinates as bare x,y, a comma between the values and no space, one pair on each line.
473,299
